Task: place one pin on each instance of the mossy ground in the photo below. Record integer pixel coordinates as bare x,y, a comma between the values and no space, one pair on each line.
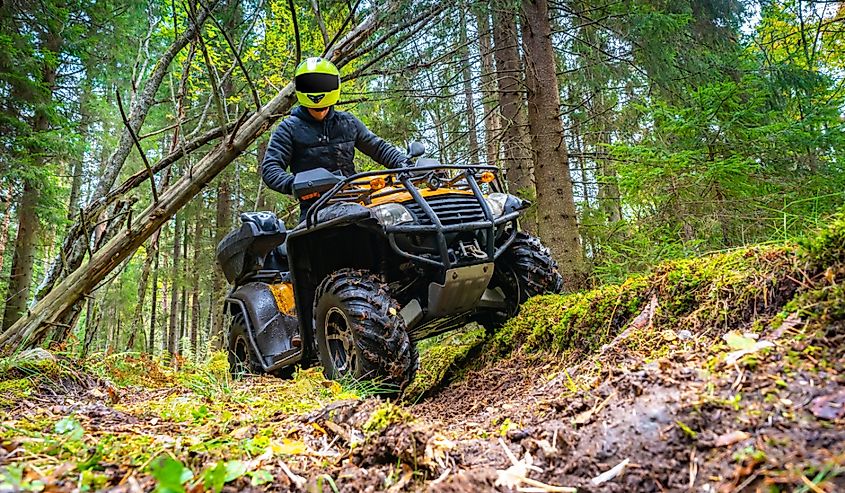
647,370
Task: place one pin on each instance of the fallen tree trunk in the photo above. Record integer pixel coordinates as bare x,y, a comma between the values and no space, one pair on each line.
46,313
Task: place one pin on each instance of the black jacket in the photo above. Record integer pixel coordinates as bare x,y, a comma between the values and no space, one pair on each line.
301,143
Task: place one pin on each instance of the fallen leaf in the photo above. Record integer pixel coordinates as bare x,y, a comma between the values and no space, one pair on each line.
737,341
731,438
289,447
735,356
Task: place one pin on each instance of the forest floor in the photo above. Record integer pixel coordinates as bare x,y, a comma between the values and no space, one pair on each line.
717,374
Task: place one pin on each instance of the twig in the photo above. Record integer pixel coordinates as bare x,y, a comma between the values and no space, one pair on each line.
165,129
342,28
295,32
212,76
138,145
238,58
238,124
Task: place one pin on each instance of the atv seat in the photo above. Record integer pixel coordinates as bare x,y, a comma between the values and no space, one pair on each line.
253,247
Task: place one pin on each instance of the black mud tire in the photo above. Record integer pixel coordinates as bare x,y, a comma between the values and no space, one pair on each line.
360,333
242,358
524,270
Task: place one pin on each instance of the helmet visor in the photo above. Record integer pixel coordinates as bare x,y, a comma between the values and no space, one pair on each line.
316,82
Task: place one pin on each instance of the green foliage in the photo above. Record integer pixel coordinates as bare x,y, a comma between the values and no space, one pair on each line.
170,475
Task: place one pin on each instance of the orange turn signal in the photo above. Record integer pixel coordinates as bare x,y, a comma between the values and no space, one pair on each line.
377,183
487,177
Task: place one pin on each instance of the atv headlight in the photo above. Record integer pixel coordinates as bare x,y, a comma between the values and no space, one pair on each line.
392,214
496,203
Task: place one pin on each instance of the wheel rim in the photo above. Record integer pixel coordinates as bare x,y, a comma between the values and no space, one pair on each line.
341,344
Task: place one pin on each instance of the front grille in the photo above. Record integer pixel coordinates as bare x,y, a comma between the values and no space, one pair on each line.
450,208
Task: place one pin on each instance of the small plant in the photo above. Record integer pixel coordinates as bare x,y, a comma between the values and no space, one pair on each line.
384,416
170,474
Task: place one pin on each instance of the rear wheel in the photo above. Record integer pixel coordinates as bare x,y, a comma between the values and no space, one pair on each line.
242,359
359,331
526,269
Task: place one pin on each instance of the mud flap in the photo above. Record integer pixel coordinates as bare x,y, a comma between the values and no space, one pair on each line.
270,329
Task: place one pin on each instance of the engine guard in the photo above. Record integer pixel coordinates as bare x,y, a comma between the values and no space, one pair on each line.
460,292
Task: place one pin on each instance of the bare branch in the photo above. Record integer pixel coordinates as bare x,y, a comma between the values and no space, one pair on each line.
315,6
342,27
138,145
238,59
295,31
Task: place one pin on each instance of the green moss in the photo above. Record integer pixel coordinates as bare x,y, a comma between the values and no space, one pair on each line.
385,415
716,291
13,390
441,356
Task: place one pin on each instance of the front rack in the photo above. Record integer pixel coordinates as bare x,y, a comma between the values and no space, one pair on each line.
356,189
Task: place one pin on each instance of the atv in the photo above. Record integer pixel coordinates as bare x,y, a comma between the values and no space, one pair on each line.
382,260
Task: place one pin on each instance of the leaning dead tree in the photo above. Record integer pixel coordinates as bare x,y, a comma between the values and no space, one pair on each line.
76,243
48,312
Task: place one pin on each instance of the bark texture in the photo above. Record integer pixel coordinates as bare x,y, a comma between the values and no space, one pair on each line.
558,224
23,259
515,141
488,86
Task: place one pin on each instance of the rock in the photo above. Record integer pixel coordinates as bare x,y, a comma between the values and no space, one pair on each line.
34,358
829,407
684,335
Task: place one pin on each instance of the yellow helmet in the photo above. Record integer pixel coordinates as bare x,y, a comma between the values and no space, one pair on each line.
317,83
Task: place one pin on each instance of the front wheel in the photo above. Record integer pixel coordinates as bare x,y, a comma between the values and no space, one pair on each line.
526,269
359,331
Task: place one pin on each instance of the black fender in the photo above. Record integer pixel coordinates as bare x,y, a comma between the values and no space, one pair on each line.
269,330
345,235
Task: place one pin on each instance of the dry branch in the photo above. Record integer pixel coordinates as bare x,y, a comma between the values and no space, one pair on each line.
138,145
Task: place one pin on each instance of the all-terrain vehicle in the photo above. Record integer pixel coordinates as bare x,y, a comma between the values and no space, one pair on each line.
382,260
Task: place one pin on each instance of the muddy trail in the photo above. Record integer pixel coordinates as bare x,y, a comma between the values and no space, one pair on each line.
717,374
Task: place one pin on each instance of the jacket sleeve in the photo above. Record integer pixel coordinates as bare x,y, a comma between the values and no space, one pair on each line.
274,168
375,147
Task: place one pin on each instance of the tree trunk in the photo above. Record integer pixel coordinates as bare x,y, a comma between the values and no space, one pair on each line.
468,92
557,220
4,227
90,327
488,86
223,224
195,276
261,198
172,327
183,294
151,340
71,289
515,141
20,279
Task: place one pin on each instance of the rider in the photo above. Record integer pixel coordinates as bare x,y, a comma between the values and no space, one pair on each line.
318,136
